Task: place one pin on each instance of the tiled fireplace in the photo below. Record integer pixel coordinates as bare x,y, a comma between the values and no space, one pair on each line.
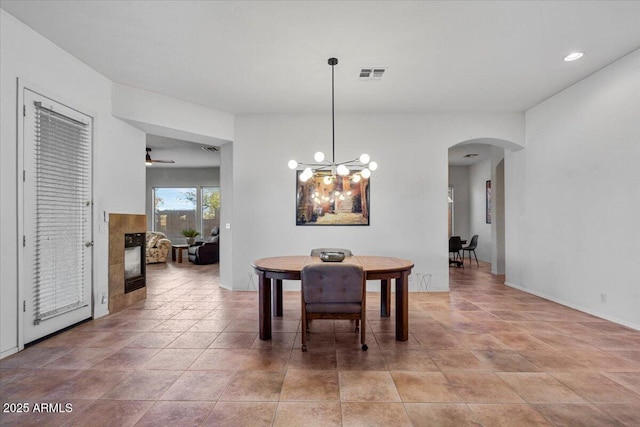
125,232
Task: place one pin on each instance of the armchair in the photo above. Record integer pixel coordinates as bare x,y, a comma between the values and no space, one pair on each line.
208,251
157,247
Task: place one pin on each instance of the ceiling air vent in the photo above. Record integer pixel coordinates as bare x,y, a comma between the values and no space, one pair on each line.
372,73
210,149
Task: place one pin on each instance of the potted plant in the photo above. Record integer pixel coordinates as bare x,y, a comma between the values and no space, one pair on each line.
191,235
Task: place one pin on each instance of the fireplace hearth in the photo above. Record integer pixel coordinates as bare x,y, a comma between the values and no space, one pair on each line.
127,260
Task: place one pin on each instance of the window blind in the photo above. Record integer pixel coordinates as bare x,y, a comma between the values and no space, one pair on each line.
63,182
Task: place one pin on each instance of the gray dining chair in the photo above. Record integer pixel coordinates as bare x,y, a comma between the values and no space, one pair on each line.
334,291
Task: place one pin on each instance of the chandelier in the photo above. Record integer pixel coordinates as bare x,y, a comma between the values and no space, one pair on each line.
359,168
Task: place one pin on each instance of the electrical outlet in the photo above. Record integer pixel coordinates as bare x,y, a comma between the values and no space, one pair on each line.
603,298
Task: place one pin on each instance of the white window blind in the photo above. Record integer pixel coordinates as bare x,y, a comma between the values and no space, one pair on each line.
63,182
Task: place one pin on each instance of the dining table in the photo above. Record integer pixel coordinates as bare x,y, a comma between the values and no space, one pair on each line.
272,271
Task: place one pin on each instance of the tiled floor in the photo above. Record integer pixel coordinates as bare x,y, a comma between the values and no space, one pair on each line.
484,354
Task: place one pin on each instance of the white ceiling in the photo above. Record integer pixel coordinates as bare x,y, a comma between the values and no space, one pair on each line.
271,56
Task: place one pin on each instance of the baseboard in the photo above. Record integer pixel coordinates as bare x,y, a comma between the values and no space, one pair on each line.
9,352
575,306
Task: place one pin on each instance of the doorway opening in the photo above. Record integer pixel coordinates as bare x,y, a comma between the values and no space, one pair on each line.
476,199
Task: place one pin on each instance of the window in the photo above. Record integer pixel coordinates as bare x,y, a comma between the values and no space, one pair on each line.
210,208
175,209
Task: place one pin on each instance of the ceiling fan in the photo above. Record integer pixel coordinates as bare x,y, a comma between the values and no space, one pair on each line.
149,161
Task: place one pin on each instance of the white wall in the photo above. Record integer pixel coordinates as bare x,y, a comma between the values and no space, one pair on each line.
177,177
497,221
226,215
171,117
479,174
573,196
459,179
46,68
408,191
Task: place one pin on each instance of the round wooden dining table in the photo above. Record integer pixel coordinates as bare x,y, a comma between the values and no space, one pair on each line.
272,271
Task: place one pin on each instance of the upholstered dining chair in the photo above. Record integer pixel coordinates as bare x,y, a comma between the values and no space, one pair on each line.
471,247
318,251
334,291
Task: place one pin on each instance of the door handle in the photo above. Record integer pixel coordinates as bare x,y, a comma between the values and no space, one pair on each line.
89,244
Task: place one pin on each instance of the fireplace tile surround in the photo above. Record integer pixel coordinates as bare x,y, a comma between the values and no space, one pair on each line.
119,225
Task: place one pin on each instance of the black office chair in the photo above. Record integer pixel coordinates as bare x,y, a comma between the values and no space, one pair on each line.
455,246
471,248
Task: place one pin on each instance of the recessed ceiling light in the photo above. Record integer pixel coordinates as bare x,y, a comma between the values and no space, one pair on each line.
573,56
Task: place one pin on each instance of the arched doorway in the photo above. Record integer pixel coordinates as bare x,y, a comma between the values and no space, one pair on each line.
477,196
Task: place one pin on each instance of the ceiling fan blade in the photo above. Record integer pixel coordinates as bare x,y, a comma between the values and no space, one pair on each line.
149,160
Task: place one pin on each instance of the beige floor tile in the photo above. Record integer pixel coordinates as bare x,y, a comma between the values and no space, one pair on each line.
429,387
185,414
408,360
508,415
143,385
627,413
194,340
254,386
376,414
597,388
440,415
505,361
482,387
198,385
234,414
458,360
314,385
108,413
539,387
582,415
173,359
219,359
367,386
308,414
630,380
267,359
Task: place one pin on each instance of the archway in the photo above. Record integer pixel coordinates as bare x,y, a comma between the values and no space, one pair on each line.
477,196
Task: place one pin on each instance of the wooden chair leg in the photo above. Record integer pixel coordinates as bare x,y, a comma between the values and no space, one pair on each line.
303,327
363,332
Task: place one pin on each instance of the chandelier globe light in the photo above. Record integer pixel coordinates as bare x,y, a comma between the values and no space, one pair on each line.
359,168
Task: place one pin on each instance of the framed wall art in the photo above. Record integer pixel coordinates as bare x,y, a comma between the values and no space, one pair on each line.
488,201
325,199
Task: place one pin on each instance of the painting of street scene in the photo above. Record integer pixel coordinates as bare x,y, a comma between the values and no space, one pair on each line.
327,199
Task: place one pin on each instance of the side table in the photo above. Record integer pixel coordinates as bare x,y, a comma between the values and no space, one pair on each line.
178,249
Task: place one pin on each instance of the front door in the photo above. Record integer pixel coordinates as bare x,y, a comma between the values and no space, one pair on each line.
57,242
